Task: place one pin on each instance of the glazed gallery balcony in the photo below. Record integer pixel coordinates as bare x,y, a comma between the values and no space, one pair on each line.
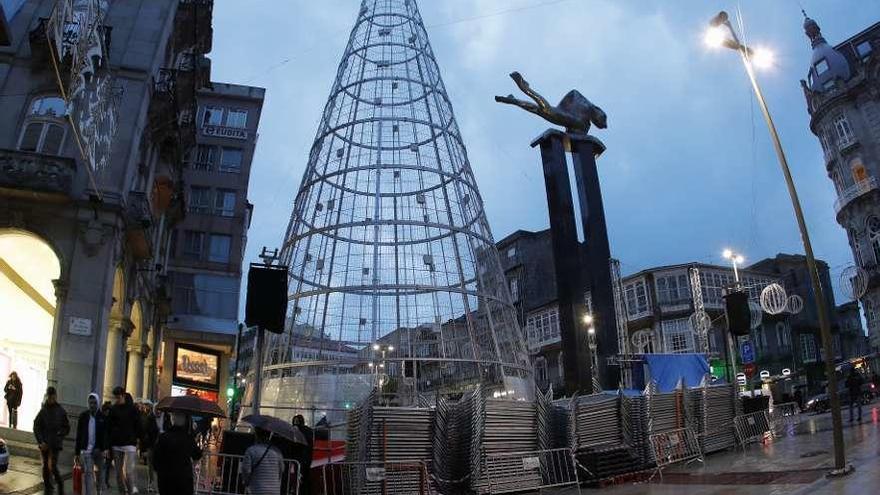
26,174
856,190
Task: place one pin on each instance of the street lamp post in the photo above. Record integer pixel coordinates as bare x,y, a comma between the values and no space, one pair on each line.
382,350
736,260
593,345
721,33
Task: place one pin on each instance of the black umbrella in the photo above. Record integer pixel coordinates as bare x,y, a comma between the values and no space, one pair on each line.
190,404
277,426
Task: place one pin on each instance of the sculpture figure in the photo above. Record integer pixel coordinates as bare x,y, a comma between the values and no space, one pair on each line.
575,112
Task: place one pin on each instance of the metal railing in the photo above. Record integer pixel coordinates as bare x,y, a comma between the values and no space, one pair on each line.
674,446
752,427
536,470
376,478
220,474
852,192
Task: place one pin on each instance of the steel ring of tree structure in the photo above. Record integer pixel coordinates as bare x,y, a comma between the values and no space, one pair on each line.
395,280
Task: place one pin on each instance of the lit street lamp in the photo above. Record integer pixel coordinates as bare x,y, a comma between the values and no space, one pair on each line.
593,345
736,259
721,33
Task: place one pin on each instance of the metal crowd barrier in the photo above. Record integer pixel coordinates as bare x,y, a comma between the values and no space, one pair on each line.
219,474
537,470
783,416
376,478
752,427
674,446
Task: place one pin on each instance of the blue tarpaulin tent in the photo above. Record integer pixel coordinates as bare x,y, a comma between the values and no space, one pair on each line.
668,369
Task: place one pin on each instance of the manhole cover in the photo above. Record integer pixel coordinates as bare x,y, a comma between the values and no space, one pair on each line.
813,453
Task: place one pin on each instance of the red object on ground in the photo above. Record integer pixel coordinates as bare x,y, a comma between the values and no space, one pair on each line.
77,479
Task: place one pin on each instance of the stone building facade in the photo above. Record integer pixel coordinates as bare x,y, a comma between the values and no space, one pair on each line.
207,248
842,91
98,106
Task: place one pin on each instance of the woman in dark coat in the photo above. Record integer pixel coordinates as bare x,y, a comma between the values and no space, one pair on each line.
13,392
172,458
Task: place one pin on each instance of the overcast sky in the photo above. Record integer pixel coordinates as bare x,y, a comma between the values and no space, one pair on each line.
689,169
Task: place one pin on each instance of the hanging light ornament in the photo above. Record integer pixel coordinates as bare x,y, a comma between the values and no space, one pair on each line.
774,299
756,314
854,282
701,322
795,304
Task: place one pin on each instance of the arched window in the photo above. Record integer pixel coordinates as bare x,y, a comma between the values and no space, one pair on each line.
856,244
44,127
874,237
835,178
541,370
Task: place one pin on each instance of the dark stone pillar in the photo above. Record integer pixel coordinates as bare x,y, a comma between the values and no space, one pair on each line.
597,254
568,261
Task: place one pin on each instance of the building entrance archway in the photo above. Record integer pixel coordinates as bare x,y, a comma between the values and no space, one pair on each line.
28,269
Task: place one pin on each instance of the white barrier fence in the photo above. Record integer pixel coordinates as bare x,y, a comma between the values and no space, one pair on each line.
674,446
536,470
376,478
752,427
220,474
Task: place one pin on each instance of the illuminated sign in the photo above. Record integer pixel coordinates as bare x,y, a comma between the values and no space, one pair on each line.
208,395
196,366
225,132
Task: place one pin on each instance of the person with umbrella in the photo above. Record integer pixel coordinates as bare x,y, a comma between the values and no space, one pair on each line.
173,457
262,467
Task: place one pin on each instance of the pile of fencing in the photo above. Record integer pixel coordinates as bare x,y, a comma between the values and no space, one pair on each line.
713,409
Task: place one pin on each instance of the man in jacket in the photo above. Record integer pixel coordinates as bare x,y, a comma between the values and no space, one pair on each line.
854,385
122,425
91,444
172,458
50,427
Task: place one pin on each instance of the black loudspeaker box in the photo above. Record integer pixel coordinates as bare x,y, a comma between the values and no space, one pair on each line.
739,316
266,305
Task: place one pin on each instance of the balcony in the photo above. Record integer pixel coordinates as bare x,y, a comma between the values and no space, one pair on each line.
857,190
139,226
192,28
36,175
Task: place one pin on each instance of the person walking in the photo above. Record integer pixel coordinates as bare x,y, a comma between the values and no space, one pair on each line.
108,458
173,457
854,384
122,425
262,466
12,392
149,434
50,427
91,444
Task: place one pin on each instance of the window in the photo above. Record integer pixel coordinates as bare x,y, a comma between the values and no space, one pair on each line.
219,250
44,128
808,348
859,173
826,146
845,135
713,285
511,252
224,203
193,244
542,327
678,336
513,284
673,289
636,295
838,185
205,157
541,370
230,160
643,341
212,116
783,337
48,106
856,244
199,200
236,118
821,67
874,237
864,49
829,84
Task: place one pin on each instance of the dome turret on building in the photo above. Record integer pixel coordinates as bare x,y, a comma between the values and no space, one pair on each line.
826,64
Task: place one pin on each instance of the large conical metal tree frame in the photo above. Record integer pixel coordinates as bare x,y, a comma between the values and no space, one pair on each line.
388,244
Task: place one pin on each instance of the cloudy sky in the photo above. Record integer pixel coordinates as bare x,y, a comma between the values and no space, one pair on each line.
689,169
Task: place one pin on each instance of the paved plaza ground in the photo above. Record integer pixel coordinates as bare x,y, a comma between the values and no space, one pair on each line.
792,464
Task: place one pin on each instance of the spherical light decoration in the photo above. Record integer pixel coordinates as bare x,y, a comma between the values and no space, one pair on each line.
774,299
795,304
854,282
641,339
756,313
701,322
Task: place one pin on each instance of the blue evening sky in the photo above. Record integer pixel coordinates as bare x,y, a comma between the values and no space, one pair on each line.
689,169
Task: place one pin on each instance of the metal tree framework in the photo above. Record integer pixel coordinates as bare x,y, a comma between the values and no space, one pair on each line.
394,276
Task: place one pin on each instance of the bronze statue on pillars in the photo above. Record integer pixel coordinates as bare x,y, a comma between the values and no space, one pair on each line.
581,267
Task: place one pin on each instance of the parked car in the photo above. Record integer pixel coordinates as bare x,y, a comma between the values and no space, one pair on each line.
819,403
4,457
